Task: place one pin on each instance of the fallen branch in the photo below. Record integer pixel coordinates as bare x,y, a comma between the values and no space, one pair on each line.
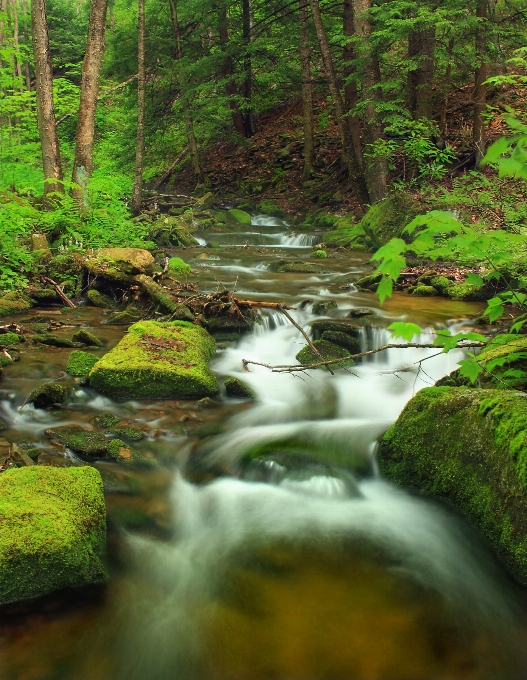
306,336
59,291
287,368
171,169
266,305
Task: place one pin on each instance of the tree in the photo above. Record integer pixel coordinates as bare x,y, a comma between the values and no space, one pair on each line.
47,128
480,76
307,91
141,101
91,68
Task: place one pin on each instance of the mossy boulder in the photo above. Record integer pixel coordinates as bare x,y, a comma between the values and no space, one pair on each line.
441,284
238,217
158,361
9,339
125,318
467,292
106,419
76,438
329,352
98,299
87,338
47,395
349,342
320,254
424,291
234,387
469,448
205,202
132,433
80,363
323,307
387,219
14,303
130,261
296,267
54,340
346,326
221,325
177,266
121,452
52,532
368,283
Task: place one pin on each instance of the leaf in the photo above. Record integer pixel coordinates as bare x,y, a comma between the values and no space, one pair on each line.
474,280
385,288
496,150
469,368
403,330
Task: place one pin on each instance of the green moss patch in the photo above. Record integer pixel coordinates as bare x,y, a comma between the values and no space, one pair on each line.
101,300
54,340
52,531
178,266
106,419
132,433
120,451
348,327
47,395
387,219
235,216
424,291
85,442
87,338
80,363
343,340
158,361
9,339
14,303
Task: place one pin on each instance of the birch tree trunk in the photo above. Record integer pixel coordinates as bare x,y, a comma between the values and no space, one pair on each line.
141,101
480,90
91,69
307,92
49,141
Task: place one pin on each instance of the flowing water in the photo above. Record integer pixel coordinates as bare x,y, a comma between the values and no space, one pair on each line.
263,544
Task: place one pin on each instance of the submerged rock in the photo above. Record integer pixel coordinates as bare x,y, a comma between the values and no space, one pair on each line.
296,266
234,387
469,448
76,438
54,340
329,352
359,312
80,363
129,316
47,395
158,361
106,419
58,539
120,451
323,307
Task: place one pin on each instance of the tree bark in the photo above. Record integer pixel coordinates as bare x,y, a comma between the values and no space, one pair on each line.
480,75
376,170
247,67
421,46
351,96
192,144
91,68
443,120
49,141
16,57
228,71
141,101
307,92
349,155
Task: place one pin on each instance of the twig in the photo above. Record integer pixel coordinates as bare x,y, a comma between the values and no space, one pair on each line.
306,336
59,291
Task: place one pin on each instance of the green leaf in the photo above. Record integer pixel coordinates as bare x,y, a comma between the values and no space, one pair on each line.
469,368
496,150
406,331
474,280
385,288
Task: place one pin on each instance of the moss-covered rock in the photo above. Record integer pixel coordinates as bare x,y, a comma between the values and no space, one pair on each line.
387,219
321,254
98,299
54,340
468,447
424,291
234,387
238,217
346,326
296,267
121,452
106,419
125,318
205,202
87,338
329,352
345,340
441,284
76,438
467,292
130,261
14,303
324,306
219,326
47,395
158,361
132,433
80,363
53,530
9,339
368,283
178,267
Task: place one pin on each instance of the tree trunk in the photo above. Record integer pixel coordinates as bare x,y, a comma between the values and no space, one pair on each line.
91,68
349,155
351,96
192,144
18,66
141,101
480,75
421,45
376,170
247,67
49,141
307,92
228,71
443,121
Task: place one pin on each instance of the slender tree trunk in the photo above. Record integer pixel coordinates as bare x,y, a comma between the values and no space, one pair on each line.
141,101
247,67
192,144
18,66
349,155
351,96
3,8
49,141
91,68
443,120
228,71
375,169
307,91
480,75
25,33
421,46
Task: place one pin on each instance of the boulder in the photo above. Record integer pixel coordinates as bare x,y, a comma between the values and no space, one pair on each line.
238,217
158,361
469,448
14,303
322,307
352,344
424,291
52,531
129,316
205,202
234,387
87,338
130,260
80,363
329,352
98,299
387,219
54,340
337,325
47,395
296,267
177,267
76,438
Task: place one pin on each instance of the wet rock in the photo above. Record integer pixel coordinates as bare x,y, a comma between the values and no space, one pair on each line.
206,402
234,387
14,303
130,261
350,343
9,339
238,217
338,325
220,325
387,219
48,395
321,254
329,352
368,283
87,338
178,267
129,316
158,361
54,340
132,433
59,539
20,457
80,363
360,312
469,448
296,266
106,419
85,442
323,307
441,284
205,202
98,299
424,291
271,207
164,299
467,292
120,451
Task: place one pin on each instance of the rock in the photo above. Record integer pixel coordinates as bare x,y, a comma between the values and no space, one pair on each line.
9,339
368,283
129,316
40,242
14,303
339,325
101,300
59,538
80,363
296,266
158,361
205,202
220,326
441,284
328,350
238,217
358,312
424,291
132,433
469,448
3,425
234,387
123,453
47,395
78,439
67,270
270,207
20,456
106,419
350,343
177,266
54,340
323,307
130,261
86,338
163,299
467,292
322,254
387,219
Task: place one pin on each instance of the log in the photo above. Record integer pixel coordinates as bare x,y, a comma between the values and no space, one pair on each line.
59,291
265,305
165,301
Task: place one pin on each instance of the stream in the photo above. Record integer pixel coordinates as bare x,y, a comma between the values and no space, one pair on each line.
262,543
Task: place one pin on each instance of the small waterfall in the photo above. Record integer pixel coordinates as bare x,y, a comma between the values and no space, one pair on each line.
269,319
301,240
267,221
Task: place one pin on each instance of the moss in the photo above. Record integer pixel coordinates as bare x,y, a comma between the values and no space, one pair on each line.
67,269
339,326
235,216
47,395
234,387
178,266
3,425
466,292
86,338
270,207
387,219
80,363
343,340
322,254
441,284
368,283
468,447
106,419
328,350
158,361
53,530
82,441
323,307
299,267
122,452
424,291
9,339
129,316
14,303
131,433
54,340
101,300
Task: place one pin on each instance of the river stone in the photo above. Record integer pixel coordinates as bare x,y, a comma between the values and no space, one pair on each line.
47,395
132,433
80,363
86,338
205,202
469,448
158,361
100,300
343,340
76,438
238,217
130,260
329,352
359,312
338,325
323,307
54,340
125,318
234,387
52,530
